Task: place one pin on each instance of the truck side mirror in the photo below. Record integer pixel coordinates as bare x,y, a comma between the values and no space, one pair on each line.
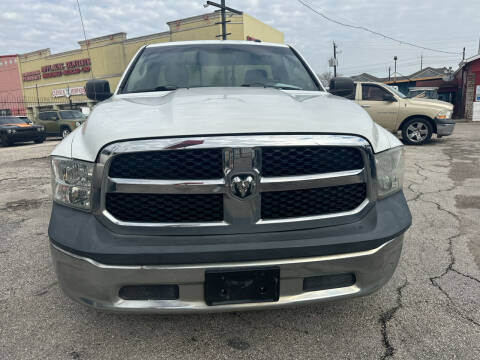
389,97
343,86
98,90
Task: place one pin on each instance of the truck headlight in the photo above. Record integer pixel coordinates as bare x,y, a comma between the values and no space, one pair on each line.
444,115
11,131
78,123
72,182
390,166
40,129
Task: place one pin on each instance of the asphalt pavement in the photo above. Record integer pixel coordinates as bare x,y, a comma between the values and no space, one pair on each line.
430,309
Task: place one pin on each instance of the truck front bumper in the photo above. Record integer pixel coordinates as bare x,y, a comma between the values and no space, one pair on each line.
445,128
94,265
98,285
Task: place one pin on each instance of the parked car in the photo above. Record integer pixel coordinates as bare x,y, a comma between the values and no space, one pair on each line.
60,122
416,118
220,175
14,129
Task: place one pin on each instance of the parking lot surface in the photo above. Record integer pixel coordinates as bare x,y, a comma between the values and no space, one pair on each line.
430,309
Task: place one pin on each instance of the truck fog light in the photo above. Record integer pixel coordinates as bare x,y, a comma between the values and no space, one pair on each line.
389,166
72,182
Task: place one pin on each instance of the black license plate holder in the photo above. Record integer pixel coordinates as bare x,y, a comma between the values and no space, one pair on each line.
239,286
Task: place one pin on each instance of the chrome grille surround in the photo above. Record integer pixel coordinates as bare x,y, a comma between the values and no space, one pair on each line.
241,154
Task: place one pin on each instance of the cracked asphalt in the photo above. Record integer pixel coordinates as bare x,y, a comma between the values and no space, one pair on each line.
430,309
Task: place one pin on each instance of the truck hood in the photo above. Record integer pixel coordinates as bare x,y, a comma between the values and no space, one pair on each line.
221,111
441,105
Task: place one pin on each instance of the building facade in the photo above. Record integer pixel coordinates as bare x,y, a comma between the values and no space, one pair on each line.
10,86
467,78
56,81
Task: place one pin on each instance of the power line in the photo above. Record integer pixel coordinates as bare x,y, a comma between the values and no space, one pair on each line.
84,33
358,27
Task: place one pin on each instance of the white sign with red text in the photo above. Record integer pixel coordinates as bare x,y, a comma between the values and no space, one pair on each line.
68,92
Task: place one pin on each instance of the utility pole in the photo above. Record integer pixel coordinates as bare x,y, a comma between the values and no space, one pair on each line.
421,61
463,57
389,69
222,8
38,101
395,73
334,59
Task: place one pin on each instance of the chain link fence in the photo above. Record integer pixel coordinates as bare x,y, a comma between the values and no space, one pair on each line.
29,106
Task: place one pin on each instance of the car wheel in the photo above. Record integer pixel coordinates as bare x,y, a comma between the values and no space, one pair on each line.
65,133
417,131
4,141
39,141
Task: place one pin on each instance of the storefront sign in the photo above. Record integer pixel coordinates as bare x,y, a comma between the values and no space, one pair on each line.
59,69
68,92
32,75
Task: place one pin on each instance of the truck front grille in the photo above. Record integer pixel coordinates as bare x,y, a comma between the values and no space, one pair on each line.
169,164
303,160
168,208
312,202
235,184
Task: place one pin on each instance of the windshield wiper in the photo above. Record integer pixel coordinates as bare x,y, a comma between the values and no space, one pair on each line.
275,86
158,88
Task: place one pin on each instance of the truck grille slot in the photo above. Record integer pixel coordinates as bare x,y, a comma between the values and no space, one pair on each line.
304,160
168,164
311,202
165,207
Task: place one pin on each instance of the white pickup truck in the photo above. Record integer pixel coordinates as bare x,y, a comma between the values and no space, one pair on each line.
220,175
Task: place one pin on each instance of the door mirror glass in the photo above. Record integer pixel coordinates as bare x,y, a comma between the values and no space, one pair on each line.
343,86
98,90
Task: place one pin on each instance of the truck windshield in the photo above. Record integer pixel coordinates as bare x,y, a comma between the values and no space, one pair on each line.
166,68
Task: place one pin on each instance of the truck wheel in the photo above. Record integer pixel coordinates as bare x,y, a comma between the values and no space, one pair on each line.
417,131
38,141
65,132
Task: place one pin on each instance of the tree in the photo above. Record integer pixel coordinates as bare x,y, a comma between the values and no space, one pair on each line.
325,77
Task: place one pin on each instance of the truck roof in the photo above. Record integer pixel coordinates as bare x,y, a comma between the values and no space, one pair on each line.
216,42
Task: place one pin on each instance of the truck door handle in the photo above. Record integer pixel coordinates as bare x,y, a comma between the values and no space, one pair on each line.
365,106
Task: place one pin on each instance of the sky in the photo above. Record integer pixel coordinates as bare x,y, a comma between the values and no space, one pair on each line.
446,25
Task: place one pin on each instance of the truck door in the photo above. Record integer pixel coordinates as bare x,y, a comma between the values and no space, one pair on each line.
380,104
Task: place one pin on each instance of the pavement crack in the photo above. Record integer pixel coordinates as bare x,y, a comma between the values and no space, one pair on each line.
386,317
465,275
6,179
418,193
450,267
45,290
425,169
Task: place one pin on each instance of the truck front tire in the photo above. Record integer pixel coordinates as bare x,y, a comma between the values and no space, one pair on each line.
417,131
